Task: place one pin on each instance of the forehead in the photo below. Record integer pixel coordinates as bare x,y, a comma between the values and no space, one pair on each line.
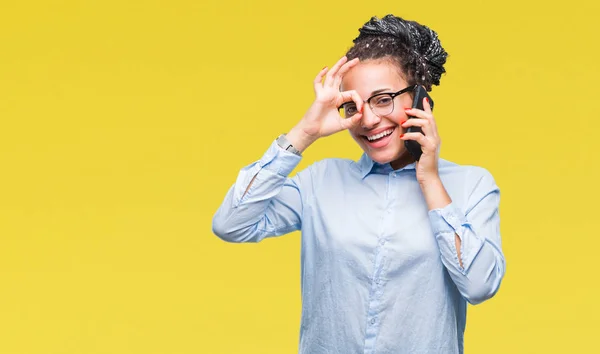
372,75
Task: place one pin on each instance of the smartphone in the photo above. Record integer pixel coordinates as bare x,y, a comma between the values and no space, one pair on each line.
412,146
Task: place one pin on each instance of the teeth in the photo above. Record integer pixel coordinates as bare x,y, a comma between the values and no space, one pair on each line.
380,135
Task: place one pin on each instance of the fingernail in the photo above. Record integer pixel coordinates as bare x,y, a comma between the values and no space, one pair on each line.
407,109
401,135
402,121
427,99
325,67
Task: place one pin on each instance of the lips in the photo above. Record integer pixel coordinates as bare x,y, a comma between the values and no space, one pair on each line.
374,137
381,138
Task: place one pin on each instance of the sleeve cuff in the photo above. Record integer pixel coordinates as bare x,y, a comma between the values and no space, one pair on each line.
278,160
445,223
447,219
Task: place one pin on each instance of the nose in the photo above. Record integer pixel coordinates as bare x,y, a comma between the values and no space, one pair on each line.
369,119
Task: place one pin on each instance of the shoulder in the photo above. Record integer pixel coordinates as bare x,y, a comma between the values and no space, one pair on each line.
470,175
467,171
332,166
325,174
330,170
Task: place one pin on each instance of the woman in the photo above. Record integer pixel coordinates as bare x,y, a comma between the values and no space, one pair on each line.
392,248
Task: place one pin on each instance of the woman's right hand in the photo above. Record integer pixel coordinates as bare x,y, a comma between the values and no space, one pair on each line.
323,118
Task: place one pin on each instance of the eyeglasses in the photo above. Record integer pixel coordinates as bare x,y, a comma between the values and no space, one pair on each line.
381,104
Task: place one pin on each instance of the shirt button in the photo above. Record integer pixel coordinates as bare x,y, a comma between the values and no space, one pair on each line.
373,320
382,242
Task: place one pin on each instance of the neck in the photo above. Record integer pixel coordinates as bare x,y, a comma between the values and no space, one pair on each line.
404,159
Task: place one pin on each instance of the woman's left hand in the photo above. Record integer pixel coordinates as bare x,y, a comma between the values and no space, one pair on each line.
427,166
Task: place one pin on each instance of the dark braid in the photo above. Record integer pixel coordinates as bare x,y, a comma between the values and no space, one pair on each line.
414,47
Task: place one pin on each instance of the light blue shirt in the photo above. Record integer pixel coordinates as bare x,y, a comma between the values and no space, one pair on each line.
379,271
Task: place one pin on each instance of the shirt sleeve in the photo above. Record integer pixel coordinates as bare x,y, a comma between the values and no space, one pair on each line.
272,206
478,228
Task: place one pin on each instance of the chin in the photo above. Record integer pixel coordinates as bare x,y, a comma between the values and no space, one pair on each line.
385,156
389,153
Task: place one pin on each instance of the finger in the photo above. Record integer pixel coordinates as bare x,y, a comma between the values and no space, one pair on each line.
427,109
414,112
426,144
334,69
424,124
351,95
351,122
426,105
319,78
343,70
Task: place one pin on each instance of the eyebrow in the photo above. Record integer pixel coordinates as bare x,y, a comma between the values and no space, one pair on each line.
379,91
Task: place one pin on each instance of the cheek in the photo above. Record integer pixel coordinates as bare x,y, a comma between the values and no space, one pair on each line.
401,113
398,116
406,103
355,134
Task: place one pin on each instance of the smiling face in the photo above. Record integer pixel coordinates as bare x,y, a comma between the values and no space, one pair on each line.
378,135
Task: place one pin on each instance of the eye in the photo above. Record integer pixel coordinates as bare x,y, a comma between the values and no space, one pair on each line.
350,109
383,101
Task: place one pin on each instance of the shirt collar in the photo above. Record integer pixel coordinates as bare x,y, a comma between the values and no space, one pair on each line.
367,166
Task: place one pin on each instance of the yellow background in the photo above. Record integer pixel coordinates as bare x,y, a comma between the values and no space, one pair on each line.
123,124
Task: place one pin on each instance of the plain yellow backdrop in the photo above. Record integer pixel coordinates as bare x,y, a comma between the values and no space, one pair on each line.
123,124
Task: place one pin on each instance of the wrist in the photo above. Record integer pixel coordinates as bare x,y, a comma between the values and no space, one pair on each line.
299,139
435,193
431,181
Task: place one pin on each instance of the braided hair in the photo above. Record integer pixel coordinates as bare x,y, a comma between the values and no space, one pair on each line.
414,47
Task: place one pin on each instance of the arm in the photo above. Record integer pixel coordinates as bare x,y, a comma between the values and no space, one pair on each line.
469,241
436,197
263,202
